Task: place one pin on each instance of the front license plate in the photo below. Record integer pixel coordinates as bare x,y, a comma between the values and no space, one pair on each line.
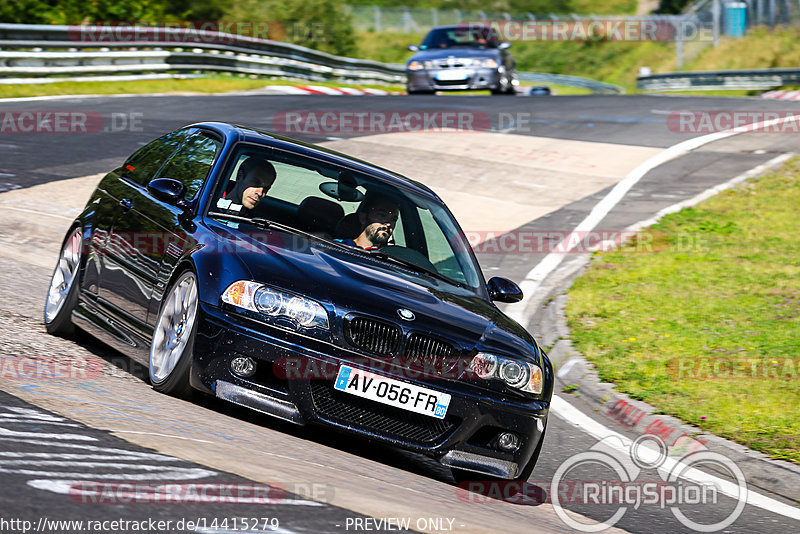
452,75
392,392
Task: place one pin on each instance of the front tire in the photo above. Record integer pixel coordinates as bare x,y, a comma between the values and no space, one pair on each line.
173,338
63,293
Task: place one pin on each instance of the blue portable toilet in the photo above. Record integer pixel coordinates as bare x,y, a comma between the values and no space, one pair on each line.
735,19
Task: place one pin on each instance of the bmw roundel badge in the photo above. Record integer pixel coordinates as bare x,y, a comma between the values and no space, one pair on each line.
406,315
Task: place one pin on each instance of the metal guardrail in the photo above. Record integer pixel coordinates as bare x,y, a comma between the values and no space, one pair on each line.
572,81
38,51
82,50
752,79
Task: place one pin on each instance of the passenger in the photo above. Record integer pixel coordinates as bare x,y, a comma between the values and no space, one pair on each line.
377,216
253,180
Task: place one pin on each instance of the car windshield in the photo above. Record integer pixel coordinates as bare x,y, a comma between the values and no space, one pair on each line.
460,37
333,203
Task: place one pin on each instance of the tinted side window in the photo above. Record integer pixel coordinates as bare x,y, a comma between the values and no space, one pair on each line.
144,163
191,162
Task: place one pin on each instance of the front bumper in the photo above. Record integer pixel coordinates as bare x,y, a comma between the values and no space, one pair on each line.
463,439
473,79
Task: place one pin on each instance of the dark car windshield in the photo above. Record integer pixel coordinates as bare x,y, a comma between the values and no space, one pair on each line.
460,37
328,201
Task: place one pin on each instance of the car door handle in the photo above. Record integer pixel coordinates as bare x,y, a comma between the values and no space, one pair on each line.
126,203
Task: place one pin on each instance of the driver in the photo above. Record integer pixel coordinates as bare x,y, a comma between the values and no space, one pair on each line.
253,180
377,215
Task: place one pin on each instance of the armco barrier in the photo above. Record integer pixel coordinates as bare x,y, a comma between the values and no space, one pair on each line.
752,79
38,50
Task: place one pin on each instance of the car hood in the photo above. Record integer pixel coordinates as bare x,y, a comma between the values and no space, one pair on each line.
351,282
444,53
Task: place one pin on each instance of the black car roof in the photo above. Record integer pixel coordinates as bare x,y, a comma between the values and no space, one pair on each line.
236,132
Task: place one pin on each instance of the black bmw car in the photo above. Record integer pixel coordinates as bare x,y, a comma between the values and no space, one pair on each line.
459,58
233,262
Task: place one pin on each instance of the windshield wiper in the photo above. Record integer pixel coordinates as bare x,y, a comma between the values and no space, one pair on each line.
415,266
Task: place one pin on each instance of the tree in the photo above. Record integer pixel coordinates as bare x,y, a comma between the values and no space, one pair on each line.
320,24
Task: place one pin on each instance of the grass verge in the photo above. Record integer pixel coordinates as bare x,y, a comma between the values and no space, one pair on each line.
205,84
701,316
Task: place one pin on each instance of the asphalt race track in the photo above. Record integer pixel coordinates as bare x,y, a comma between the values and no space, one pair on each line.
68,447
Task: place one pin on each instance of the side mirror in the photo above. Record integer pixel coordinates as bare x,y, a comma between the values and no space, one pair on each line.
504,45
169,191
503,290
413,48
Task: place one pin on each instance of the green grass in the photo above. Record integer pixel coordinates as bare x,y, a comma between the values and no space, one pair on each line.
206,84
712,284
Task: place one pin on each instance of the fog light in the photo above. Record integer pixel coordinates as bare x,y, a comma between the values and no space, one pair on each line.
243,366
508,441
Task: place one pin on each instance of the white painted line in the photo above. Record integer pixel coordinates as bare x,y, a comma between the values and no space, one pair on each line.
326,90
288,89
79,464
93,448
40,435
351,91
566,367
27,412
597,430
68,487
380,92
530,284
166,474
710,192
70,456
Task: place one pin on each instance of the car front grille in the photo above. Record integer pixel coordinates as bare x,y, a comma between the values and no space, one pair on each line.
377,418
373,336
451,82
433,356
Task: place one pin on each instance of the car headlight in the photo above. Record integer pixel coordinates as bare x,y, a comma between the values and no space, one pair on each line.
415,65
271,302
487,63
520,375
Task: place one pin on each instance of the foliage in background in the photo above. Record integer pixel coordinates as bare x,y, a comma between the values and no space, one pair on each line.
320,24
672,7
544,7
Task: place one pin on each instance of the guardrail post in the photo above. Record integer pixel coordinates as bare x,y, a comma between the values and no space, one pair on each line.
715,16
